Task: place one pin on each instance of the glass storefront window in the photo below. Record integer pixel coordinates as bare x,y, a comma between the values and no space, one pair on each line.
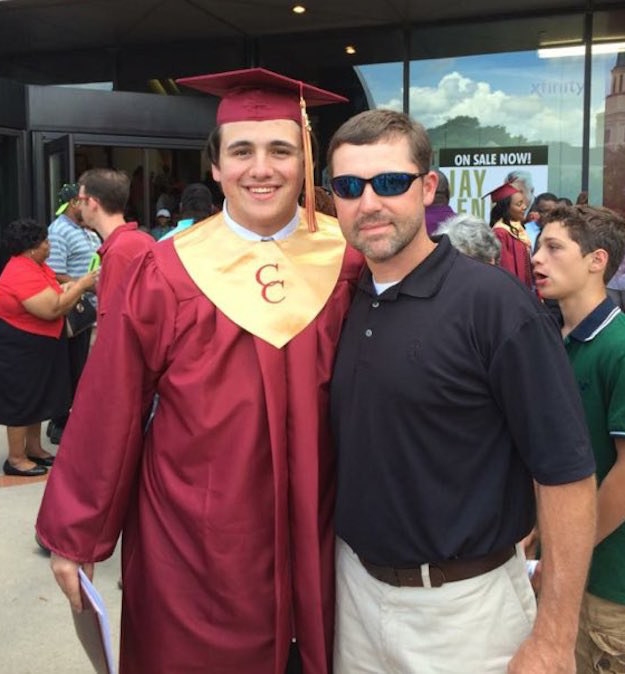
493,114
382,84
607,144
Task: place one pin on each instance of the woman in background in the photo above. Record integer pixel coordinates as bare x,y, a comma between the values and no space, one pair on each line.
34,367
506,221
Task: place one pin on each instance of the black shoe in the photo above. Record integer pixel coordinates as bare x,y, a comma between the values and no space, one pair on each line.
46,461
32,472
54,433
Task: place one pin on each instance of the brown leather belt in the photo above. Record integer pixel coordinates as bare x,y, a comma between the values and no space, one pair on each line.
434,575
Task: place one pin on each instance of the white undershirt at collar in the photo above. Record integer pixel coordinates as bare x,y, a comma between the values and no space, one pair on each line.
245,233
381,287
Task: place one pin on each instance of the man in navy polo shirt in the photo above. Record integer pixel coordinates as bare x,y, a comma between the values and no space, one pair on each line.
451,393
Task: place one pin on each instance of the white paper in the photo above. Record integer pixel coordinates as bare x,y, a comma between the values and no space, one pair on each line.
97,603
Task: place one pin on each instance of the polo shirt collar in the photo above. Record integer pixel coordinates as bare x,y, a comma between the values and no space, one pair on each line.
600,317
425,280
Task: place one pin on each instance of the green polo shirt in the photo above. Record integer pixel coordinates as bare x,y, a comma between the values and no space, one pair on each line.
596,348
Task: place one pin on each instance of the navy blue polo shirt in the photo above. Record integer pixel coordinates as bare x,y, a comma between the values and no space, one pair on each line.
451,390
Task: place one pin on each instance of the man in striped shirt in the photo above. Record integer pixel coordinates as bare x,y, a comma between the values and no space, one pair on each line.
71,247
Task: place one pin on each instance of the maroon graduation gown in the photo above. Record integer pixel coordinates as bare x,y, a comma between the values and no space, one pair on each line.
226,501
515,254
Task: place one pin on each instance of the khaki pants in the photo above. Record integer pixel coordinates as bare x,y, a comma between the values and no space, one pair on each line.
471,626
601,639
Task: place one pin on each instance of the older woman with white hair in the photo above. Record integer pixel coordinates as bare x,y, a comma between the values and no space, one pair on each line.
471,236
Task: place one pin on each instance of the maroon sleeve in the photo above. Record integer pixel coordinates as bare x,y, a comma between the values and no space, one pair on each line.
115,265
88,491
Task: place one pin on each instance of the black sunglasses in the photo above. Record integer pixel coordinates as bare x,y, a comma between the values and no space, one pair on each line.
384,184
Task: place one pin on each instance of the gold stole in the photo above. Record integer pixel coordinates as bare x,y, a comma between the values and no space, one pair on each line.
272,289
517,230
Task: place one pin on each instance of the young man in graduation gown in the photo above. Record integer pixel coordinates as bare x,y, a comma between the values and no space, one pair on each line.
226,499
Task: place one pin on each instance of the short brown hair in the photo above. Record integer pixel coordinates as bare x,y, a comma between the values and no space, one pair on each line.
593,228
372,126
110,187
213,145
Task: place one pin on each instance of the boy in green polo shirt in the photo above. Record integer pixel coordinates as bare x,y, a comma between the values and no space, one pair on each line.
579,250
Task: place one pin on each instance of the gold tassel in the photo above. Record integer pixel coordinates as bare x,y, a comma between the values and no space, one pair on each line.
309,171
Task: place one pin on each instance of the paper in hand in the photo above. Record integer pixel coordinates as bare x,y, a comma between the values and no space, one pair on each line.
93,629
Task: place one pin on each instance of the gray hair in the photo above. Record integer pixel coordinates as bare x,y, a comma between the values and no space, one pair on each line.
471,236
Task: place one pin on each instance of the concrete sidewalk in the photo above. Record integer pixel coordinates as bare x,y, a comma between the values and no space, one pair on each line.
36,628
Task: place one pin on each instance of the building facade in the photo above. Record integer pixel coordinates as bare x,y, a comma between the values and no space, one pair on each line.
535,89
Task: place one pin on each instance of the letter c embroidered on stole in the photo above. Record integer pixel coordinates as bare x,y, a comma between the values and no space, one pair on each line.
267,285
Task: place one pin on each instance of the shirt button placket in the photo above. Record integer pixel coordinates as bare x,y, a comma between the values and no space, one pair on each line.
374,305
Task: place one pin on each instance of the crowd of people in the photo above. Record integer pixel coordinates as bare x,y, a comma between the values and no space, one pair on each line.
328,440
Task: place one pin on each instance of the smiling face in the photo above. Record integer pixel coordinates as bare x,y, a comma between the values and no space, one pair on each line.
261,171
387,230
517,207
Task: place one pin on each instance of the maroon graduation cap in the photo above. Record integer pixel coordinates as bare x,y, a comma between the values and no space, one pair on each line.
256,95
502,192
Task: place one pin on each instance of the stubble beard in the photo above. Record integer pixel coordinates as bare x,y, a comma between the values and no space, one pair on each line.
386,246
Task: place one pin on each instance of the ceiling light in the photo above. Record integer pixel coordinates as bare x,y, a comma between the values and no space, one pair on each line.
350,49
299,9
580,50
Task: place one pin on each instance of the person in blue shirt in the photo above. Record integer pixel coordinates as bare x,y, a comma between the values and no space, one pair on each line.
543,203
196,203
72,246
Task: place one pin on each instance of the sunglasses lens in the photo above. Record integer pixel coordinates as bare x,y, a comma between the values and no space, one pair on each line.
384,184
391,184
348,187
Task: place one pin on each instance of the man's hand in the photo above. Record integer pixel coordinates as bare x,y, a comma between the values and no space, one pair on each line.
530,543
540,657
66,574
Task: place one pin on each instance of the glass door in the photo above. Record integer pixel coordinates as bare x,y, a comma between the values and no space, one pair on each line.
59,167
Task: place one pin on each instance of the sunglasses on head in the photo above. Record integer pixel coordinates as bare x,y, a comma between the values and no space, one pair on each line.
384,184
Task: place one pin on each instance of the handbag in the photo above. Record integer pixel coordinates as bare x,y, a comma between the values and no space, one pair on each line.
83,315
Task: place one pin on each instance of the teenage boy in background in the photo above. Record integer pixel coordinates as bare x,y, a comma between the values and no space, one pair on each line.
579,250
